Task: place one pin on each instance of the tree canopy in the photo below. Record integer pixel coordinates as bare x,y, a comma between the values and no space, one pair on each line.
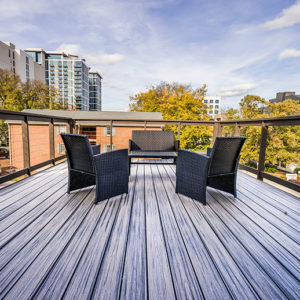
178,102
16,95
283,141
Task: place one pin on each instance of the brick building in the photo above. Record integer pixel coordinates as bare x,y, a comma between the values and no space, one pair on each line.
92,123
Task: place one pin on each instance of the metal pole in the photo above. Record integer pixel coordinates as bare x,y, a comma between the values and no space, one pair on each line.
26,147
262,151
111,129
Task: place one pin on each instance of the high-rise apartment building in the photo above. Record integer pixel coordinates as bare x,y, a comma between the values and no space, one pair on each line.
281,96
213,105
20,63
70,76
95,88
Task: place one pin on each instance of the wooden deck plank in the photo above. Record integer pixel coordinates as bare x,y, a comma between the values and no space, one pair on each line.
211,282
265,273
134,283
160,282
151,244
32,275
285,197
11,227
83,280
281,211
271,198
30,209
108,283
230,213
57,279
18,264
22,198
185,281
27,182
255,201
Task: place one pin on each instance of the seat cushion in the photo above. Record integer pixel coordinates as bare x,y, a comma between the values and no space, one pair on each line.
153,154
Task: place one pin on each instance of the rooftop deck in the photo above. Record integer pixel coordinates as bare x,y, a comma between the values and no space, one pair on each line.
151,243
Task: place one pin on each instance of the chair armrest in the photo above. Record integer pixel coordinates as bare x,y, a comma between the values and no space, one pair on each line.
192,163
130,145
177,145
95,149
112,173
208,151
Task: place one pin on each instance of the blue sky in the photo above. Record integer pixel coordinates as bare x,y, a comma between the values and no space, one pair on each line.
235,47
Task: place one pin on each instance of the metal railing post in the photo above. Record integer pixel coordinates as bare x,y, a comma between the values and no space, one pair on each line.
178,134
145,125
217,131
26,146
51,141
237,130
262,151
111,133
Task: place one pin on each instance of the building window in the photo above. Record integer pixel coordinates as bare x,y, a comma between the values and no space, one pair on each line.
216,106
61,148
211,111
107,147
27,68
205,101
217,101
61,129
211,101
107,131
216,111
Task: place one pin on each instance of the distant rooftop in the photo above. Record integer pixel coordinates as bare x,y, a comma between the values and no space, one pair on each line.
89,115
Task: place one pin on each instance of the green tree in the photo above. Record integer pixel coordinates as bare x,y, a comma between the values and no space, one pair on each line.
283,141
178,102
16,96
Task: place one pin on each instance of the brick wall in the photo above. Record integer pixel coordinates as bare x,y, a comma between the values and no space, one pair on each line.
39,141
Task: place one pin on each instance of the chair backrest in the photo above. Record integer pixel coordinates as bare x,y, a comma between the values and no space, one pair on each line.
225,155
79,152
153,140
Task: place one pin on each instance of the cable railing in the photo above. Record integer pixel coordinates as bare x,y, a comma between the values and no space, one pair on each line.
107,133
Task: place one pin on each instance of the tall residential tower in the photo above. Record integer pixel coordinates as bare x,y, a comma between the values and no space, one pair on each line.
95,87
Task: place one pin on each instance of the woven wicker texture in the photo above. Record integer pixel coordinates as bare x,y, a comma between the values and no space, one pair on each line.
152,140
224,155
109,171
218,169
79,152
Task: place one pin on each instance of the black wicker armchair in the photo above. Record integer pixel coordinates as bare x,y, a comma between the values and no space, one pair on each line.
108,171
217,169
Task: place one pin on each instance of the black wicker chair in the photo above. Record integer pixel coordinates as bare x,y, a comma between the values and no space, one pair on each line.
217,169
109,171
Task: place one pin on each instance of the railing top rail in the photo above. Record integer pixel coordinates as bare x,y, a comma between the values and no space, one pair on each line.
6,114
290,120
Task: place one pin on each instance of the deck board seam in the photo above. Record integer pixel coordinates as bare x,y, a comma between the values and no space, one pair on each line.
92,292
258,240
271,223
243,246
127,237
85,247
163,234
246,187
264,208
23,271
180,232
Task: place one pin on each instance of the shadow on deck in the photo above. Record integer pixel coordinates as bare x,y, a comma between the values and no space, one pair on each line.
151,243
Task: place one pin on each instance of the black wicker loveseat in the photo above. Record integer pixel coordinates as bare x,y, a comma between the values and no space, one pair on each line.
153,144
217,169
108,171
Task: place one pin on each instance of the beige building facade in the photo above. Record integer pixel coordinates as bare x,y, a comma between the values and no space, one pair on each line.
20,63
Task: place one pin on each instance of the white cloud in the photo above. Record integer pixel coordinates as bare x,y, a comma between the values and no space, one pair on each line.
69,48
289,17
289,53
105,59
237,90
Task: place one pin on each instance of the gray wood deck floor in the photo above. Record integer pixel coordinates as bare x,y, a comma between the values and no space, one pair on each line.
151,243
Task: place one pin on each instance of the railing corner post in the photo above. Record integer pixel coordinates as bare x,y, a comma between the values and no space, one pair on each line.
262,151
